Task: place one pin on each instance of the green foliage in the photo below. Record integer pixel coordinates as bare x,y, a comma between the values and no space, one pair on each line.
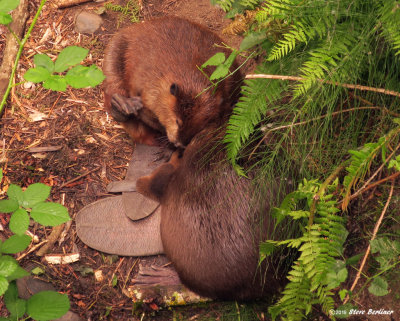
131,10
222,65
5,7
45,305
78,76
318,269
234,6
341,42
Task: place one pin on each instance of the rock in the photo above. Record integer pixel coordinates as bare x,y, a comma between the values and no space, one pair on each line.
87,22
28,285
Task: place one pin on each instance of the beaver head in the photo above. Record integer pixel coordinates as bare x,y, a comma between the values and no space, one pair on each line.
185,112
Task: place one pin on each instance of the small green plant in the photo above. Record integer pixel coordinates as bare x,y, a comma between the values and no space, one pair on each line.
78,76
23,205
130,10
5,7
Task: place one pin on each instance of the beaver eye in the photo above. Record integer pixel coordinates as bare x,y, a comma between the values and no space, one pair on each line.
173,89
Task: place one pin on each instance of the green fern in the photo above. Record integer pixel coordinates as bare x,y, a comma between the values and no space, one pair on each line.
389,17
312,276
227,5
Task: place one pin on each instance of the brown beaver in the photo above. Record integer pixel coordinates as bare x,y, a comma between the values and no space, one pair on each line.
155,64
212,221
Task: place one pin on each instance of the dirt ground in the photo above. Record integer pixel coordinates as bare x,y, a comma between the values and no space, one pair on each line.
92,151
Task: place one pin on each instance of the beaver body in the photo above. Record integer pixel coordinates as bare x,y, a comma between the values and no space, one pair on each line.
157,61
212,221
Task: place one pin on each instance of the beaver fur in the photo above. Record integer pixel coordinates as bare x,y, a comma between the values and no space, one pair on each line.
212,221
157,63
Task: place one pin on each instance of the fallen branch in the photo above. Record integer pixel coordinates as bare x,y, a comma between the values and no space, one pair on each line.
350,86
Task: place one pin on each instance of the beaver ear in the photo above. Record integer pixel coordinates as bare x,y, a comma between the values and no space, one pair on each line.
174,89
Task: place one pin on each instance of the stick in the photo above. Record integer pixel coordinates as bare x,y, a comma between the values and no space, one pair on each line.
350,86
376,228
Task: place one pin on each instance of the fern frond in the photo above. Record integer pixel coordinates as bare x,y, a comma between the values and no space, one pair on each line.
389,12
248,112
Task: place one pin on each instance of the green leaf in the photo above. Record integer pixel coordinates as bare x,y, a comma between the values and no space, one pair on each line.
7,265
35,193
81,76
220,72
3,285
37,271
114,281
215,60
354,259
379,286
14,192
251,40
17,274
70,56
19,222
47,305
14,304
50,214
15,244
5,18
56,83
37,74
8,5
42,60
1,174
8,206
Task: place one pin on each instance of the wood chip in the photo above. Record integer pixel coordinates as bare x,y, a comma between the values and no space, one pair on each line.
62,259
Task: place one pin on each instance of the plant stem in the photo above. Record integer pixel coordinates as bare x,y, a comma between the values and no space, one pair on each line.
21,47
13,33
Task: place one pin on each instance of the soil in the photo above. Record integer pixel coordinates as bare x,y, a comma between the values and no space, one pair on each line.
92,151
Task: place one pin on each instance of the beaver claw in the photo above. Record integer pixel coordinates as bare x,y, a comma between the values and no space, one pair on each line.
122,108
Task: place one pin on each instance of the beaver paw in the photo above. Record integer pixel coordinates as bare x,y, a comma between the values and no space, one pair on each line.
122,108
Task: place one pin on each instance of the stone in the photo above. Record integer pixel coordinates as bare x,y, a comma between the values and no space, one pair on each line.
87,22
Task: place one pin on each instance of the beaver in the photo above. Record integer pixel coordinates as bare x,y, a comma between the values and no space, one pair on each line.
155,64
212,221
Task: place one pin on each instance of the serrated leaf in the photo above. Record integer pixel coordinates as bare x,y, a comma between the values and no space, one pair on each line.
19,222
50,214
3,285
56,83
215,60
35,193
8,206
7,265
17,274
47,305
8,5
14,192
42,60
15,244
37,74
379,286
5,18
68,57
14,304
81,76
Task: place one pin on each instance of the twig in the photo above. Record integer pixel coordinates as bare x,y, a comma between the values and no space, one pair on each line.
79,177
33,248
115,271
376,228
350,86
